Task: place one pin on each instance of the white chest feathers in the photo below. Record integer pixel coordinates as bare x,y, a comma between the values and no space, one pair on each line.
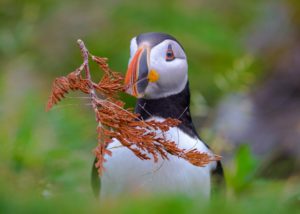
125,173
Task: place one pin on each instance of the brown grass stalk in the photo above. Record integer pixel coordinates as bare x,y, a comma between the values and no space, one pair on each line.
114,121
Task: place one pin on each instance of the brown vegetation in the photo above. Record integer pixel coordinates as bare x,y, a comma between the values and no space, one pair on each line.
144,138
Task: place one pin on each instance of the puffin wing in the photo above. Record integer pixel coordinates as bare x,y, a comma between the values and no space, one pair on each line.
95,180
218,179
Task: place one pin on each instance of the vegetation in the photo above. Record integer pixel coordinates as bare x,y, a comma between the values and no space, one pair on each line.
46,158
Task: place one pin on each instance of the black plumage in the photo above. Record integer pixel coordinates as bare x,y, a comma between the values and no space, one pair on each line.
176,106
154,38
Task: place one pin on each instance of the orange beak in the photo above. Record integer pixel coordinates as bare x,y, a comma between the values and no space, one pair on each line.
137,73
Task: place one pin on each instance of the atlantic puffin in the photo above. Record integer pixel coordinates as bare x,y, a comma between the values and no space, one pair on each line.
158,76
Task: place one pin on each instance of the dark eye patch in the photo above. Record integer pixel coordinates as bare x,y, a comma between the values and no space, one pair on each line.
170,54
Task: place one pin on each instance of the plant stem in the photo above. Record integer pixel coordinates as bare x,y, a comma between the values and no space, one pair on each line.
85,67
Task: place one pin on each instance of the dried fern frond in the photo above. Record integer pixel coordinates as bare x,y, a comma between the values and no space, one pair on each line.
114,121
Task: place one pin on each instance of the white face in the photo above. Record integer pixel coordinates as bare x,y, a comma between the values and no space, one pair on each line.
172,71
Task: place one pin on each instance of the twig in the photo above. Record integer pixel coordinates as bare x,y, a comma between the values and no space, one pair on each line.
146,139
85,65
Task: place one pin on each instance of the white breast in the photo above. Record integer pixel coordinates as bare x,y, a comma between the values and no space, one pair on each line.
125,173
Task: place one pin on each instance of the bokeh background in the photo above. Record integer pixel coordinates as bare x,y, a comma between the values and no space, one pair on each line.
244,68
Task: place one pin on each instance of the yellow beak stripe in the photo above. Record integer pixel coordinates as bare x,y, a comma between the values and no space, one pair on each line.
153,76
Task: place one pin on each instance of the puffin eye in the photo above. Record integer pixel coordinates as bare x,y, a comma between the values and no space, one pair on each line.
170,54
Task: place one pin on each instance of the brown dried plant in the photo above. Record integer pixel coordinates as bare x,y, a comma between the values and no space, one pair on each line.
114,121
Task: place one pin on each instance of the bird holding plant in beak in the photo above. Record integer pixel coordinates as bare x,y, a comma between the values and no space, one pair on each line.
158,76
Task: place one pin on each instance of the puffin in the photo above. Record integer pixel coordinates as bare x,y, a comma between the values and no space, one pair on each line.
157,75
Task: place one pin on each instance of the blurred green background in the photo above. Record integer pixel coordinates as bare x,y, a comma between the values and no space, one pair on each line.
234,48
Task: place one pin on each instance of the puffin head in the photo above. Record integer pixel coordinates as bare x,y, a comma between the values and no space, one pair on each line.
157,66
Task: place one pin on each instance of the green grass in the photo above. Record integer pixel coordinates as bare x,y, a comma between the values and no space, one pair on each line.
266,197
46,158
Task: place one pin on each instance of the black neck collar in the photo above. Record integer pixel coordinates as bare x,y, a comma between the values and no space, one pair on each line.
174,106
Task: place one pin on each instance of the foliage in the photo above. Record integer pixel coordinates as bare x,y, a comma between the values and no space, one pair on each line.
242,175
265,197
44,166
143,138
